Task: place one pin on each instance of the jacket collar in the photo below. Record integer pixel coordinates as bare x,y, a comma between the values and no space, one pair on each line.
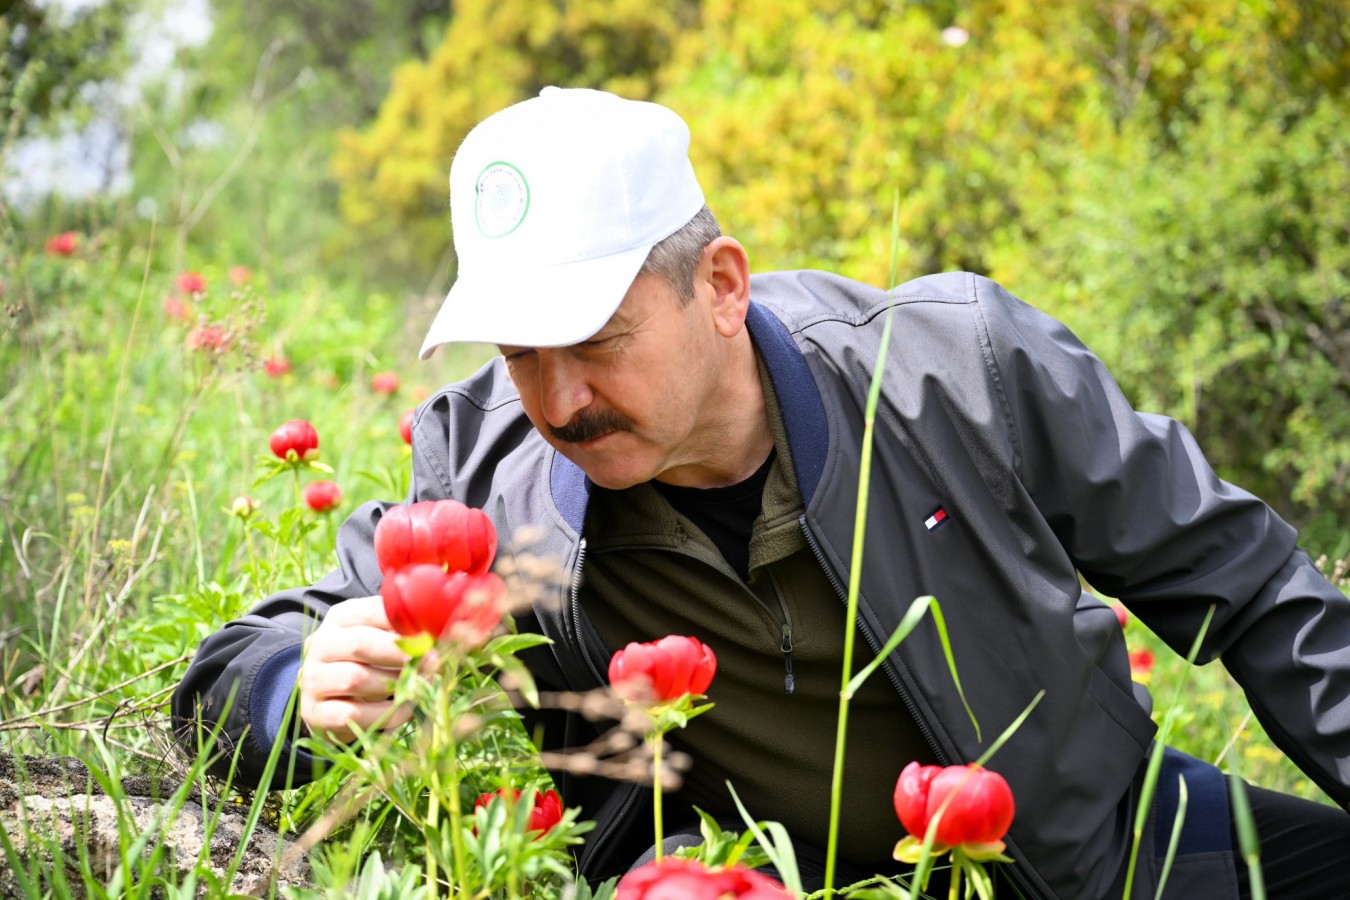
798,398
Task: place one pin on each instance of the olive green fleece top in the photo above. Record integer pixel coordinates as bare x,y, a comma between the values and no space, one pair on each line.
651,572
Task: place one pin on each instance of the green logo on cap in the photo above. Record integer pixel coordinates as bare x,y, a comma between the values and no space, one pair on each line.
502,201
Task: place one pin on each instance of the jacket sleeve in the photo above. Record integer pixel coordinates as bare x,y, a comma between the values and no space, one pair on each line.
242,679
1145,519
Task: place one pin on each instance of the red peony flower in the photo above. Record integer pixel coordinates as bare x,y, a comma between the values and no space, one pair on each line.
208,338
405,427
240,275
276,366
444,533
547,812
296,440
1141,661
662,670
63,244
321,496
980,810
673,878
191,283
384,382
423,598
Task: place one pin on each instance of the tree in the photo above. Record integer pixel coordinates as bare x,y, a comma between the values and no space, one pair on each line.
394,172
53,54
1166,175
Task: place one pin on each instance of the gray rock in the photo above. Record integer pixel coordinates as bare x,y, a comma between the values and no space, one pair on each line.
54,812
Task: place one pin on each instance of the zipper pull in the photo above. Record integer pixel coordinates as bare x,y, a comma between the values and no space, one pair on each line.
789,683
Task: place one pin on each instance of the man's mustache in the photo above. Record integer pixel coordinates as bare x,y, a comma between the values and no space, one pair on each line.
588,427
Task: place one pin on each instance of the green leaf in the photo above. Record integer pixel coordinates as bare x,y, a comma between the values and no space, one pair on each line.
1010,730
416,645
907,624
777,844
510,644
1177,821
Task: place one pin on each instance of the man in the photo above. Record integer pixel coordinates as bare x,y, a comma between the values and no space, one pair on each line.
688,439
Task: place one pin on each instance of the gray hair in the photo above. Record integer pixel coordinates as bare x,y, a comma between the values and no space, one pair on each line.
675,259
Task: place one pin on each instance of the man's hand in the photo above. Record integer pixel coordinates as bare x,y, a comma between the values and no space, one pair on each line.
350,665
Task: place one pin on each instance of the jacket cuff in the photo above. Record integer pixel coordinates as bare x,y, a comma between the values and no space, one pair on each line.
272,689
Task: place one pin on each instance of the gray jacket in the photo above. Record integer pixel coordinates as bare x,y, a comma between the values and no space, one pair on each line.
996,415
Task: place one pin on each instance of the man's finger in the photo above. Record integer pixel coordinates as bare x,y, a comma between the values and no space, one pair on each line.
358,643
334,718
347,680
359,611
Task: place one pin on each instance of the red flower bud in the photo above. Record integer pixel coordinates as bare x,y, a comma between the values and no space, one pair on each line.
1141,661
454,606
445,533
673,878
662,670
243,507
63,244
295,437
276,366
321,496
240,275
1122,614
191,283
980,810
384,382
405,427
547,812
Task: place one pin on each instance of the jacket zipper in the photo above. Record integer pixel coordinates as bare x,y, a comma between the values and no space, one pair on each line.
784,625
1014,869
635,789
600,679
842,591
785,634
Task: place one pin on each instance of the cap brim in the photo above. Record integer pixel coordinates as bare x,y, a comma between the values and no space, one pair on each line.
548,306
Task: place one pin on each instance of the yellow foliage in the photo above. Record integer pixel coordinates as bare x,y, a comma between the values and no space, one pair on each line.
495,52
808,115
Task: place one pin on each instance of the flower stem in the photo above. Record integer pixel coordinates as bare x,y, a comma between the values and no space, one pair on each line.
656,794
433,810
954,892
855,567
252,556
300,548
444,687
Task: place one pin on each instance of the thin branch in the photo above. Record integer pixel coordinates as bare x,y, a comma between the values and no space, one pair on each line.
51,710
261,108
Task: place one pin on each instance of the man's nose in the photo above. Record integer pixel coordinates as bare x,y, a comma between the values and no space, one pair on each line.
563,389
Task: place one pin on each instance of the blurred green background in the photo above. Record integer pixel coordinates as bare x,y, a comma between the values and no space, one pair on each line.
1172,178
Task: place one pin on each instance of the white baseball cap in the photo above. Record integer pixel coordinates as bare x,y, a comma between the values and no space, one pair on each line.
555,203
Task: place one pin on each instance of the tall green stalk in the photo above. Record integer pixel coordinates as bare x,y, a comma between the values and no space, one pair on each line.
657,741
855,565
1155,760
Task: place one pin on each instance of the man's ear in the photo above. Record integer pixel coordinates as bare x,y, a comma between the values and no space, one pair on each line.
726,271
